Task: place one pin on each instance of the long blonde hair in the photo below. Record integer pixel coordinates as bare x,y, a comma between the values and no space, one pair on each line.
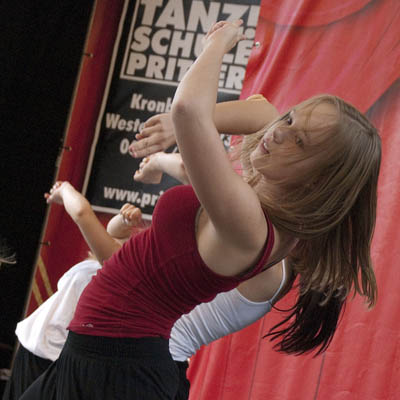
330,208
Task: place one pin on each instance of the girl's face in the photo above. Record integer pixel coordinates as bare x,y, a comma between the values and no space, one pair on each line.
286,146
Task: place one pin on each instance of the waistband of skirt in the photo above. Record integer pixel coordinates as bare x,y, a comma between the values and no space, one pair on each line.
146,347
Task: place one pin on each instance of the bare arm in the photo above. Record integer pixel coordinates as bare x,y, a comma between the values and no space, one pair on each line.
153,167
100,242
238,117
244,117
220,190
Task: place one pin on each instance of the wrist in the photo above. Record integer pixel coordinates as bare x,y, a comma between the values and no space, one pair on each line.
158,159
65,187
216,49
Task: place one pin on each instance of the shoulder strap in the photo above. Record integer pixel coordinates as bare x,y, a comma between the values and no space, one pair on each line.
282,281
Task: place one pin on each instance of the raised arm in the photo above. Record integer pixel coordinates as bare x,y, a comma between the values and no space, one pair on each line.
153,167
244,117
220,190
238,117
100,242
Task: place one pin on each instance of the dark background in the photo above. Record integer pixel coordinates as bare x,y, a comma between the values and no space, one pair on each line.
40,52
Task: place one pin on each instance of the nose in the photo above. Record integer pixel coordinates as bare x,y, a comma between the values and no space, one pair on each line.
280,134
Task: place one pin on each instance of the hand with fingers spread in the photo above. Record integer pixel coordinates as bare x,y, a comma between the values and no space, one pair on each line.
157,135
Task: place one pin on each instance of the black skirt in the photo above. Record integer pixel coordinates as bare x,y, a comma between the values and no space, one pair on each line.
96,368
26,369
184,384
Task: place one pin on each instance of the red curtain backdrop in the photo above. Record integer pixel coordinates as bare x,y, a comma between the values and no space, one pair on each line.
348,48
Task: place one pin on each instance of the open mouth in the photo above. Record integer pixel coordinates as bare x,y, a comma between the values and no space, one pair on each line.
265,148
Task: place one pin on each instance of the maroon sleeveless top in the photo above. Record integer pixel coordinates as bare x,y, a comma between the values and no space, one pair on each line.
156,276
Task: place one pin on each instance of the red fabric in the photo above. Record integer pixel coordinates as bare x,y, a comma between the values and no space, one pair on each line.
305,13
364,358
306,48
156,277
65,246
293,63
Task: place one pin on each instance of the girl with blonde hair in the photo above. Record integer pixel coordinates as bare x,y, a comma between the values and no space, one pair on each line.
311,197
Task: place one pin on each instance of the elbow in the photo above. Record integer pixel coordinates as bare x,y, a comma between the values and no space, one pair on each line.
82,212
187,117
182,111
